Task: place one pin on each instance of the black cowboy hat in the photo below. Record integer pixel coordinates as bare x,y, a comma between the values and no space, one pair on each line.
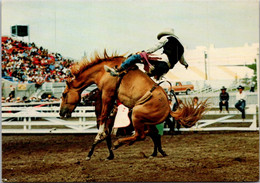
223,88
240,87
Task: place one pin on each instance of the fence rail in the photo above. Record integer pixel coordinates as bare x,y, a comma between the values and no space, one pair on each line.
26,120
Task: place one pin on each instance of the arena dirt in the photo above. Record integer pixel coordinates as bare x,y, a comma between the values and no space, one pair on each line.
210,157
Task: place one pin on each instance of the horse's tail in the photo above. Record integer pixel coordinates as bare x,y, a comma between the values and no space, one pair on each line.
187,115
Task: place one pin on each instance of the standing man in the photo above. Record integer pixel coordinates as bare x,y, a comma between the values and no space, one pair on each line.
241,101
252,89
223,97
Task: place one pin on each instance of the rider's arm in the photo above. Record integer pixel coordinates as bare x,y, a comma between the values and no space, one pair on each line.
159,45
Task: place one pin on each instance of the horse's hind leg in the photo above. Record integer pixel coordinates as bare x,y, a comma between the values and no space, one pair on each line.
159,144
156,137
152,133
139,135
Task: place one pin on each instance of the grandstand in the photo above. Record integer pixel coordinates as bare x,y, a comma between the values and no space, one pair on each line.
27,63
27,67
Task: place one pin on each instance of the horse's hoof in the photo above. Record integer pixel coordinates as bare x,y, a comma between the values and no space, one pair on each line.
110,158
116,145
164,154
88,158
151,157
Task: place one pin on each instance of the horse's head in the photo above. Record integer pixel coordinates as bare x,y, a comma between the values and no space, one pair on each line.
70,98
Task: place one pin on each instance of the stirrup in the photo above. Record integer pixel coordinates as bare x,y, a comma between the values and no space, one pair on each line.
112,71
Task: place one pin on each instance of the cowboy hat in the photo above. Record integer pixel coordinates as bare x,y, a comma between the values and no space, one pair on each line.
240,87
166,32
223,88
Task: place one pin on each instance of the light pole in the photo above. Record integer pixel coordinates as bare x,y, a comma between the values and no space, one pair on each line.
205,61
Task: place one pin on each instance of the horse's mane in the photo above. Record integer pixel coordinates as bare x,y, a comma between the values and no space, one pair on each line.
78,67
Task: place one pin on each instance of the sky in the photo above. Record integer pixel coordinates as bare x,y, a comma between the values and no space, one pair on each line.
74,27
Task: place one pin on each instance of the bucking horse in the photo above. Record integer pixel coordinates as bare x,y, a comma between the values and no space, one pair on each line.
135,89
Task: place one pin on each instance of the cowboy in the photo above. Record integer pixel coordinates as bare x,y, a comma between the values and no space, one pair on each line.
241,101
172,53
223,97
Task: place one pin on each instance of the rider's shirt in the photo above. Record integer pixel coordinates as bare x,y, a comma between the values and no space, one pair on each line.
172,48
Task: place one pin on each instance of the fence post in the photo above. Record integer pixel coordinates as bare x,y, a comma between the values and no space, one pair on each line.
254,125
29,121
24,126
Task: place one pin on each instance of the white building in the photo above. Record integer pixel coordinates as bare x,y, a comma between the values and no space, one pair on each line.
224,65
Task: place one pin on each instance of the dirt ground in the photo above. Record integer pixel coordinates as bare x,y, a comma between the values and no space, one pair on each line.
230,156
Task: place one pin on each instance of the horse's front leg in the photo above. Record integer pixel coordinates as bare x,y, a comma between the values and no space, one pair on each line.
109,145
102,135
103,131
110,124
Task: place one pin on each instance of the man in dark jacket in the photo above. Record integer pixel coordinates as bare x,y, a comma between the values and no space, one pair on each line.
223,97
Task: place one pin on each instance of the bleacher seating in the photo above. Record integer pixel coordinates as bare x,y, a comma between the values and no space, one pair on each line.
27,63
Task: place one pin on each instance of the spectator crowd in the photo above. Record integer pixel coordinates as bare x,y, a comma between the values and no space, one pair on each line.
25,99
27,63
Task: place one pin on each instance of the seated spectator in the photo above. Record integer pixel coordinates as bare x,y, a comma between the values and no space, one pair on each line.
49,98
3,99
33,99
18,100
241,101
25,100
223,97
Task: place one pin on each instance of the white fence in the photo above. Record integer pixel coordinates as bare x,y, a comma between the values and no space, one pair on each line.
47,120
25,120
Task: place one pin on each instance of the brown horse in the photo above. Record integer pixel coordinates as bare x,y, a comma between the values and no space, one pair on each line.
135,90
